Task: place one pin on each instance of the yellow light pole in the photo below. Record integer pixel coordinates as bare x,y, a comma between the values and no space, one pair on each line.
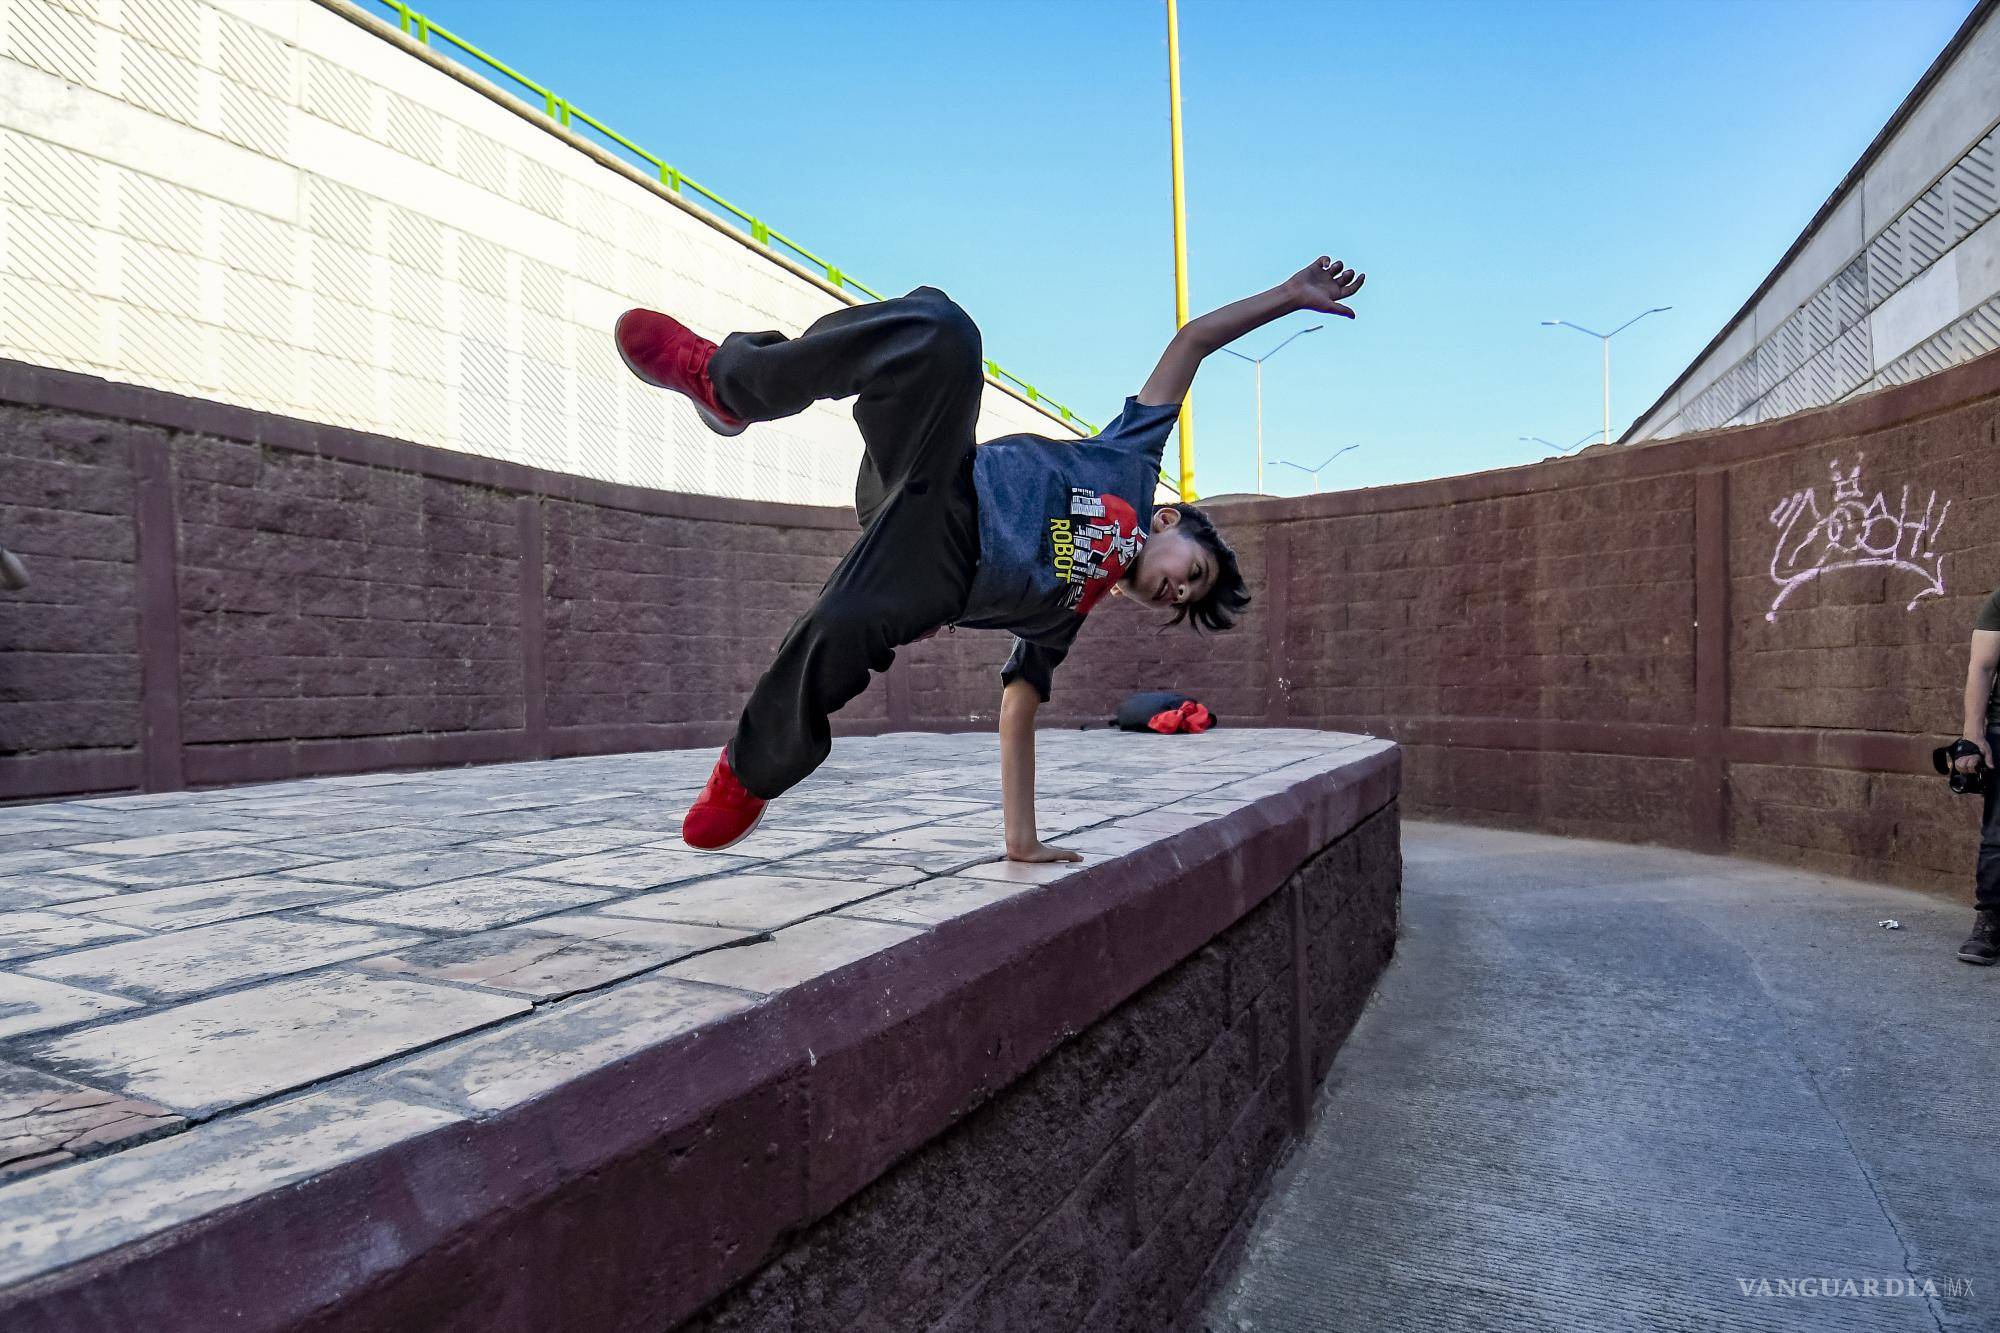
1180,240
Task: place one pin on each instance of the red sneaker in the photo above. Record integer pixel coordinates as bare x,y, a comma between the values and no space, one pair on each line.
662,351
723,814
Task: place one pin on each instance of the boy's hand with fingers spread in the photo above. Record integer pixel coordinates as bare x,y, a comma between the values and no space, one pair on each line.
1324,284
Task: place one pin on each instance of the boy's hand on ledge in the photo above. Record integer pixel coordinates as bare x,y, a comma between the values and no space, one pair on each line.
1039,851
1324,284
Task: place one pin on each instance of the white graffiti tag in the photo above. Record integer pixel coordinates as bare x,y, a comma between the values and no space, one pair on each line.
1855,535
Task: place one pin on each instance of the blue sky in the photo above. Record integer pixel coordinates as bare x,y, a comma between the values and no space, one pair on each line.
1489,165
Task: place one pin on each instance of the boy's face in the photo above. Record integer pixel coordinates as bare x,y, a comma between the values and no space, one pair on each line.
1172,569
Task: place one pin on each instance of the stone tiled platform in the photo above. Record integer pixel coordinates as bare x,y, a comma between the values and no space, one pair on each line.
208,999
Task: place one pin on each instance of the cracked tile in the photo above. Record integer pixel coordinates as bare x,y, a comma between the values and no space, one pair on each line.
46,1121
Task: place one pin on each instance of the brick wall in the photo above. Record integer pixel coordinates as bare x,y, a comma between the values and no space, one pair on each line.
1586,646
69,672
219,595
321,598
1113,1186
1589,646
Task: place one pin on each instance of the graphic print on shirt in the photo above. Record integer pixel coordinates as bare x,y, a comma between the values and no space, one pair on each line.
1093,547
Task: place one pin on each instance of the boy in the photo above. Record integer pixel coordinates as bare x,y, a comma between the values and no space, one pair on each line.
1023,533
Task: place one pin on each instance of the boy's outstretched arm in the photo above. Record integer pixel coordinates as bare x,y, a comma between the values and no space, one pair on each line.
1018,702
1323,285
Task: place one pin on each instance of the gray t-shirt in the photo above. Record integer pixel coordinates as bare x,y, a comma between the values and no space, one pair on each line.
1060,522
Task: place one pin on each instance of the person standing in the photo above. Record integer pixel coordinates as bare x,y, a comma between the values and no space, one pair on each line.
1982,728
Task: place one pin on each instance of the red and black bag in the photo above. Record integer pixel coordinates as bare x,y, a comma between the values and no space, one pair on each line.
1165,712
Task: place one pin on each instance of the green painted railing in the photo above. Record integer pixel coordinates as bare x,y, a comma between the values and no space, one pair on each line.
560,109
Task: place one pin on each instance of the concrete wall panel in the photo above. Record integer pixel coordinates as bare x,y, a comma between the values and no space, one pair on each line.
1871,294
1956,111
276,205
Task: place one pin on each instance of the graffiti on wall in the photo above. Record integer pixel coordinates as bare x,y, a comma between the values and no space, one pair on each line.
1852,533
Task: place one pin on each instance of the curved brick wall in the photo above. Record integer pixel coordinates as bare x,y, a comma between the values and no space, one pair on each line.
1585,646
1591,646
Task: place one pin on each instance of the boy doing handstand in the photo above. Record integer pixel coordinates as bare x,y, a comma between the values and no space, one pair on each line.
1023,533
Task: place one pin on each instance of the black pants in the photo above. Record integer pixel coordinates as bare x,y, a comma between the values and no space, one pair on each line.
915,363
1987,894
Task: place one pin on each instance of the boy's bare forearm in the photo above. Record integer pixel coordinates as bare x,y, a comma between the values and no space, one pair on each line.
1018,703
1225,324
1324,285
1199,338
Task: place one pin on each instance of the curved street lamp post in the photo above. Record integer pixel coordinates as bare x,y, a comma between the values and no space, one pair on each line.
1258,362
1314,472
1606,339
1559,448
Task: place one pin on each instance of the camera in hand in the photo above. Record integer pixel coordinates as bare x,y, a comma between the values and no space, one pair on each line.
1945,760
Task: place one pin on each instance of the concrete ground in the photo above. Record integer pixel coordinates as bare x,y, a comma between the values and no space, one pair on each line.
1606,1087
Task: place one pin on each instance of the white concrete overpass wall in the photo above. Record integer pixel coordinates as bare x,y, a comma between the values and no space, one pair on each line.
1898,278
265,203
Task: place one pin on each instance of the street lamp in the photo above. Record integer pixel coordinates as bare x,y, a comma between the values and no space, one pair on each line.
1607,337
1258,362
1559,448
1313,472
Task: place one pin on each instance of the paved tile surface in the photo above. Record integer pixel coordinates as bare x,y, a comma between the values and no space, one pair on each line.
199,904
72,1212
25,934
210,958
244,1045
793,955
545,963
1605,1087
467,904
208,994
28,1004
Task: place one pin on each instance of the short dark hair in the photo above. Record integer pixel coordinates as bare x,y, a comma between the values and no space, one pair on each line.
1227,595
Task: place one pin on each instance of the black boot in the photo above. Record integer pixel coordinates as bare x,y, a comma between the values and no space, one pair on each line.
1982,946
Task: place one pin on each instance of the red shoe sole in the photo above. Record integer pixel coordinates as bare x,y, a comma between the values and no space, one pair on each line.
714,422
